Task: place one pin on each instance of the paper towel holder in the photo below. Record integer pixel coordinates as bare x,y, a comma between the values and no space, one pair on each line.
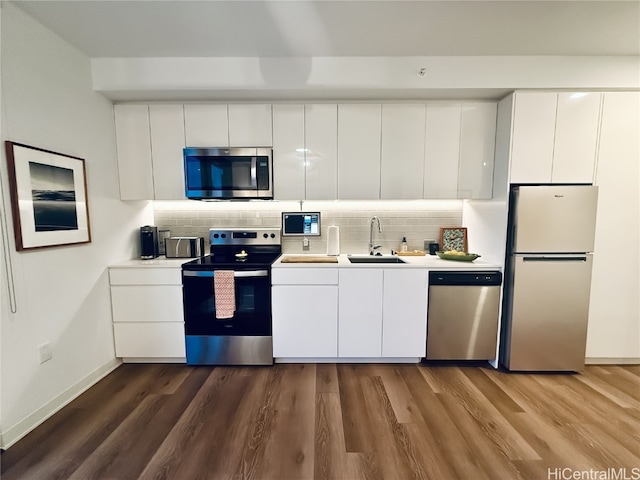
333,240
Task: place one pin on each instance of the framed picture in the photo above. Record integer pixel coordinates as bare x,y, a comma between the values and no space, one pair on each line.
48,197
453,238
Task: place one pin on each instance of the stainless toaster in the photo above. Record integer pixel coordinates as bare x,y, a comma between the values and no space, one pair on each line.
184,247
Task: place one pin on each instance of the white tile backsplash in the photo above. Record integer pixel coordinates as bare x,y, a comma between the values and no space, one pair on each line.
418,221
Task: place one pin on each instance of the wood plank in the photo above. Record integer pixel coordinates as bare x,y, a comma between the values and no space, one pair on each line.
289,444
354,418
496,395
404,407
457,458
396,456
326,378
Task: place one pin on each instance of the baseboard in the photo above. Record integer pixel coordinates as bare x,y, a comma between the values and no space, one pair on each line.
154,360
349,360
23,427
611,361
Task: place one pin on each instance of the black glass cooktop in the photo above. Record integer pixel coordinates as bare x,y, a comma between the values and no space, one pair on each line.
221,260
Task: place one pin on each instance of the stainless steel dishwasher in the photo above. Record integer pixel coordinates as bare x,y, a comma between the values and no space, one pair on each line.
462,319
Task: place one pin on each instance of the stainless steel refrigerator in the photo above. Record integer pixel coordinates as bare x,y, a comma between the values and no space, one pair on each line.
548,277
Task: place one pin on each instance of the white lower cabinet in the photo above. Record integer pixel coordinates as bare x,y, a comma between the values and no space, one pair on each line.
404,313
360,312
147,313
305,312
382,313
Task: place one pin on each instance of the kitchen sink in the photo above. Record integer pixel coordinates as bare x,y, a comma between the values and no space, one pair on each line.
374,259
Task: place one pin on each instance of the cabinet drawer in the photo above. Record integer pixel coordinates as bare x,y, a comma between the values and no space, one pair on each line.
144,303
145,276
144,340
304,276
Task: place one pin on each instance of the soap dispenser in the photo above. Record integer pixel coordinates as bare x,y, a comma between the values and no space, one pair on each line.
403,245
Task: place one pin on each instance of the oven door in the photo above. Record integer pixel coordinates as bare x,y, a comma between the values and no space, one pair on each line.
252,316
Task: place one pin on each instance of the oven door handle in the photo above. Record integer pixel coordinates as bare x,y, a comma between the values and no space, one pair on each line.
237,274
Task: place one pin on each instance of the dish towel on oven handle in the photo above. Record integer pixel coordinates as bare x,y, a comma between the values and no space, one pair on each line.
224,293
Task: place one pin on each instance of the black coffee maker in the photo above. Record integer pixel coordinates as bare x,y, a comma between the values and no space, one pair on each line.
148,242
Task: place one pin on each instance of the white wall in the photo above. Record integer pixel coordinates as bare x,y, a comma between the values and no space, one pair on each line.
62,293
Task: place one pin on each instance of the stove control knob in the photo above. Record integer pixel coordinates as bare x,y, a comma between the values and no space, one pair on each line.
223,235
215,235
265,235
273,235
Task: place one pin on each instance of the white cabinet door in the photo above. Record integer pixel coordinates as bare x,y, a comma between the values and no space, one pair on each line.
305,321
477,148
288,152
167,142
442,150
206,125
534,123
133,143
576,136
360,313
146,340
404,325
147,303
614,312
359,131
402,151
321,143
250,125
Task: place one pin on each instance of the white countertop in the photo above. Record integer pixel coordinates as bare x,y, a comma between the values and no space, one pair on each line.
426,261
159,262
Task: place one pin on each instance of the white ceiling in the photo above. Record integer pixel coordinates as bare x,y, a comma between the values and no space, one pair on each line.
301,28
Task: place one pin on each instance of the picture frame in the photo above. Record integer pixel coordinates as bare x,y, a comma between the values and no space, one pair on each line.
453,238
49,198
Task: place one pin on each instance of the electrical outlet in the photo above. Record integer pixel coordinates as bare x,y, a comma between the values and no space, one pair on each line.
305,243
45,352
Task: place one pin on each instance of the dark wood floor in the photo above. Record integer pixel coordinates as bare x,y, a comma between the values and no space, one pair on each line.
338,422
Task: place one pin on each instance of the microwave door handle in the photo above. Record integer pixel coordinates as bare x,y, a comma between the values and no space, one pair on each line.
237,274
254,172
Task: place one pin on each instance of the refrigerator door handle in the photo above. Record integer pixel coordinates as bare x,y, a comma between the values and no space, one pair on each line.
555,259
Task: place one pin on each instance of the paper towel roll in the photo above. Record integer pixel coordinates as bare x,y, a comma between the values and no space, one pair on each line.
333,240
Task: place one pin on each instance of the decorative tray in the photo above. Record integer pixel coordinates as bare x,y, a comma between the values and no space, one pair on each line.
464,257
411,253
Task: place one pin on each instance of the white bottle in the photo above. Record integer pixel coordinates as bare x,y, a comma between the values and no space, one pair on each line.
403,245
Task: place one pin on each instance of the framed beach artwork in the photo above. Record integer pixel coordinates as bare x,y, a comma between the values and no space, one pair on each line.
48,197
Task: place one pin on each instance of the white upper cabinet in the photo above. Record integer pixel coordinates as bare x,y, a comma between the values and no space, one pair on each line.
576,136
133,143
359,132
554,137
167,142
534,123
321,156
288,152
206,125
442,150
477,148
250,125
402,151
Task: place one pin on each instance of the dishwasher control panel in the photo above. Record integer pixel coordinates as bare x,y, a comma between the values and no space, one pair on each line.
465,278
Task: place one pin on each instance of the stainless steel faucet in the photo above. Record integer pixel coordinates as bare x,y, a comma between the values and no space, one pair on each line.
373,246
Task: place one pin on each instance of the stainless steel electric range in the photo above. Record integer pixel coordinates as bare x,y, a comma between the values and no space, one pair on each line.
242,335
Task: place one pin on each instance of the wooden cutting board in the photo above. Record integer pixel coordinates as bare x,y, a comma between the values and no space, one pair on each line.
412,253
308,259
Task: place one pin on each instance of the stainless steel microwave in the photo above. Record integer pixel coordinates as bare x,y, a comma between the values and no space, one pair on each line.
228,173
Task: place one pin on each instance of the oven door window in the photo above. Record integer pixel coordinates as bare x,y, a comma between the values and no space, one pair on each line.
252,300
